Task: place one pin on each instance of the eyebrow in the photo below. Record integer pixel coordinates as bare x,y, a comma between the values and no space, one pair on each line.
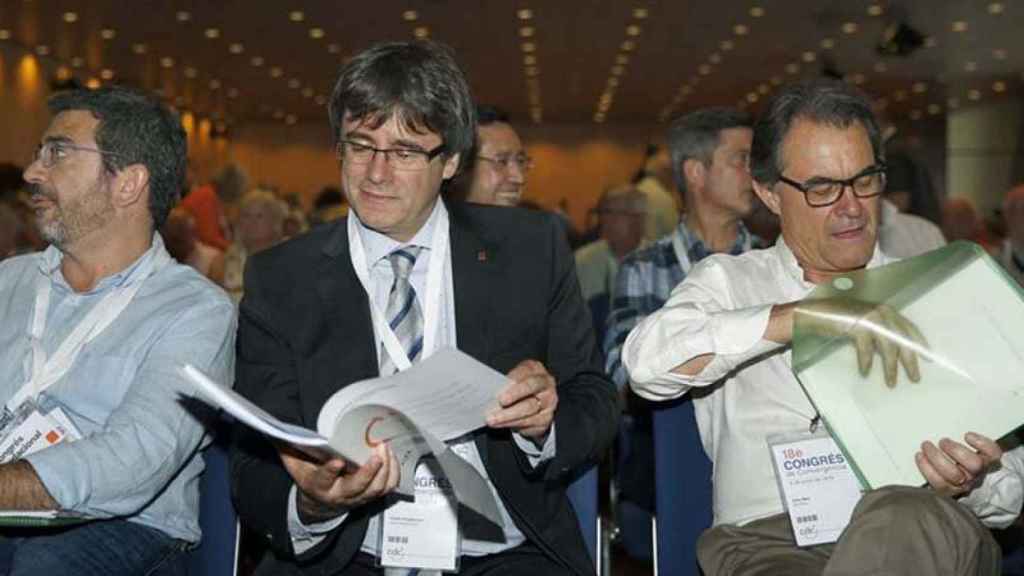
400,143
863,171
58,139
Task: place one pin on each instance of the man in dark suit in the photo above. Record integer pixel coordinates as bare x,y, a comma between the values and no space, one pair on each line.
497,283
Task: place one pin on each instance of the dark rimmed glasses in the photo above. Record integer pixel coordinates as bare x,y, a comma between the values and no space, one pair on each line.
820,192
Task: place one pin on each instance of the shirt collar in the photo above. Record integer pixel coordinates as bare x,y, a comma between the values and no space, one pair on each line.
50,259
796,273
378,246
697,250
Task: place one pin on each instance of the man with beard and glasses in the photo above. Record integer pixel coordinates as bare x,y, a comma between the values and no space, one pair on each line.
95,330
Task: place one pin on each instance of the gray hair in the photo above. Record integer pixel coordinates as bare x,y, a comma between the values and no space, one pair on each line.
696,135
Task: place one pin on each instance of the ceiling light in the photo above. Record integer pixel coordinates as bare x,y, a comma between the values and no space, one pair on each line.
613,82
995,8
622,59
528,47
212,33
715,58
757,11
632,30
276,72
294,83
726,45
532,70
970,66
139,48
934,109
77,62
931,42
92,83
307,92
524,14
875,10
704,69
919,87
849,28
953,103
333,48
290,119
809,57
529,60
599,118
190,72
296,16
42,49
167,62
108,33
182,16
526,31
999,54
256,61
618,70
999,86
899,95
5,34
959,26
639,13
973,94
421,32
685,90
316,33
762,89
628,45
278,114
752,97
236,48
214,84
792,68
63,73
106,74
915,114
320,100
410,15
70,17
233,93
828,43
740,30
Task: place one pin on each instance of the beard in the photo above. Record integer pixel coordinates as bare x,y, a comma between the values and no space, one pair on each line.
61,224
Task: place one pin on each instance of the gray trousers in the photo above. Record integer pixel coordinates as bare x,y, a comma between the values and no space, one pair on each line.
895,531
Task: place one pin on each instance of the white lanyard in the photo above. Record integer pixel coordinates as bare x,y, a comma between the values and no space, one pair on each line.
432,300
681,253
47,371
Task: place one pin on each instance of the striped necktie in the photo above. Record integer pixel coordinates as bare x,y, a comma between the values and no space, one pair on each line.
403,311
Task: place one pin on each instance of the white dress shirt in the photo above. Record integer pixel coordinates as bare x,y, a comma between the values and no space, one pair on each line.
722,308
905,235
378,247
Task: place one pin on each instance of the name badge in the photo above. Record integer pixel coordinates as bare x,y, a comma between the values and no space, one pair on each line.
26,430
423,534
818,487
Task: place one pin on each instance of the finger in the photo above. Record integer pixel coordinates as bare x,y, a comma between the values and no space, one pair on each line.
985,446
934,479
944,465
890,357
908,357
358,482
394,471
521,410
865,352
379,481
914,333
529,386
972,463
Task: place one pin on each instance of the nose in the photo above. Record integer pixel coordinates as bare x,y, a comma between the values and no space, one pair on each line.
515,172
849,204
378,167
34,172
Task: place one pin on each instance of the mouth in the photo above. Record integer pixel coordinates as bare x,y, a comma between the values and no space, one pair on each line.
850,233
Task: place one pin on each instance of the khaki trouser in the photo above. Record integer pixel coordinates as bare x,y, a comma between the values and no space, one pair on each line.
897,531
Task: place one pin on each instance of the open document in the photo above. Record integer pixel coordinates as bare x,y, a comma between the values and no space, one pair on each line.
416,411
970,314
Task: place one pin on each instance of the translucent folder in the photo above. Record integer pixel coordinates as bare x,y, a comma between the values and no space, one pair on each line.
971,315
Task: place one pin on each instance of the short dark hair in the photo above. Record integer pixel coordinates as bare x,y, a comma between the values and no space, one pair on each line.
487,114
135,128
418,81
696,135
822,101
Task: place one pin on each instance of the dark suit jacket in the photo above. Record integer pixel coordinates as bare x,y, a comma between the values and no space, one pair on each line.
305,331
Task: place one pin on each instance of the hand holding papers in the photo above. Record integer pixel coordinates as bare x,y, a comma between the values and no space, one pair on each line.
970,376
414,412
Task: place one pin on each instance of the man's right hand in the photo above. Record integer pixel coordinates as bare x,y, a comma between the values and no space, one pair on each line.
872,329
329,488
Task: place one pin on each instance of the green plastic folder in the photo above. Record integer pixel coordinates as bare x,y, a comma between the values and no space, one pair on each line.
40,519
970,312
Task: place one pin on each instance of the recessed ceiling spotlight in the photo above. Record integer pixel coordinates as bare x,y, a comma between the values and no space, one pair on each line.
995,8
622,59
214,84
410,16
627,45
139,48
290,119
212,33
532,70
756,11
256,61
726,45
999,54
421,32
296,16
999,86
959,26
875,10
307,92
740,29
233,93
294,83
792,68
528,47
919,87
5,34
42,49
953,103
190,72
715,58
762,89
632,30
276,72
71,17
333,48
108,33
849,28
529,60
167,62
618,70
526,31
973,94
752,97
809,57
828,43
704,69
639,13
934,109
320,100
107,74
182,16
236,48
970,66
316,33
524,14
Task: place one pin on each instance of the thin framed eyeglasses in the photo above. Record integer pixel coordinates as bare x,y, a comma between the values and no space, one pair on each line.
50,153
408,159
821,192
524,162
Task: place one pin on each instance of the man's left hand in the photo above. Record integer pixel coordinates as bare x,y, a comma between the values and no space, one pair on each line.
954,469
527,404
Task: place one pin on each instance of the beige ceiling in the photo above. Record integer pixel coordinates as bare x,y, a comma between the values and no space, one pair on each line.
676,60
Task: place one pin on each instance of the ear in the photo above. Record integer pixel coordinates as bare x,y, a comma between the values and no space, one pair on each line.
451,165
694,171
768,195
131,186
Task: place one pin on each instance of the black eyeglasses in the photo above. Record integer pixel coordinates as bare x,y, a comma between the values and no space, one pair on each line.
408,159
50,153
820,192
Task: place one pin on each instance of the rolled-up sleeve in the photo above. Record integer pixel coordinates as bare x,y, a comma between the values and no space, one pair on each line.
997,502
698,319
149,437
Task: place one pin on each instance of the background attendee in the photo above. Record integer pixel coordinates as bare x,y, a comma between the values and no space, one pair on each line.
960,221
108,169
621,214
500,165
656,182
10,227
213,205
328,206
260,225
179,234
902,232
817,161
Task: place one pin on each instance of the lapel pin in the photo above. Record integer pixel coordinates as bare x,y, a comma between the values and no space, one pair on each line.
481,256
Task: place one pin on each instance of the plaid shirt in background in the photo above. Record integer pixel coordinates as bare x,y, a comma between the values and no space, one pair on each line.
646,278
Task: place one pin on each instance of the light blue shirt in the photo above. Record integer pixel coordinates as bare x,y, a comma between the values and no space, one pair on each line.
378,247
138,458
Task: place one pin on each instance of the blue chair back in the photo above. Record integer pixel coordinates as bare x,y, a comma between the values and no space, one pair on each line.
583,496
682,488
217,554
